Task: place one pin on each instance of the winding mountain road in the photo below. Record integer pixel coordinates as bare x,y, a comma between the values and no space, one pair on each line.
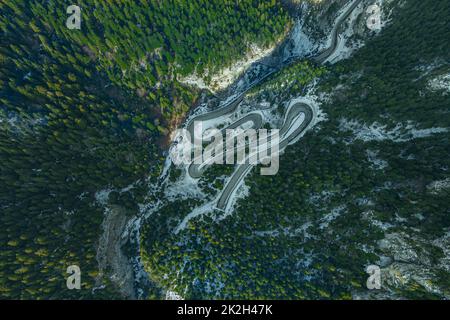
196,170
324,55
286,139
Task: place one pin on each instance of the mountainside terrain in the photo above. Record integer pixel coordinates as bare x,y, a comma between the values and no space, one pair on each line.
85,116
87,130
367,186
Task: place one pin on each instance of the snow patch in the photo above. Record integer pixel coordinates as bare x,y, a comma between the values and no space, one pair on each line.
171,295
102,196
440,83
328,218
302,43
377,163
379,132
437,186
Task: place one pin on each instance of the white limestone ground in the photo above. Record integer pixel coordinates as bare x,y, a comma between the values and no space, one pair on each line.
302,42
186,188
102,196
332,215
411,261
171,295
386,10
20,123
369,216
438,186
440,83
377,163
379,132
